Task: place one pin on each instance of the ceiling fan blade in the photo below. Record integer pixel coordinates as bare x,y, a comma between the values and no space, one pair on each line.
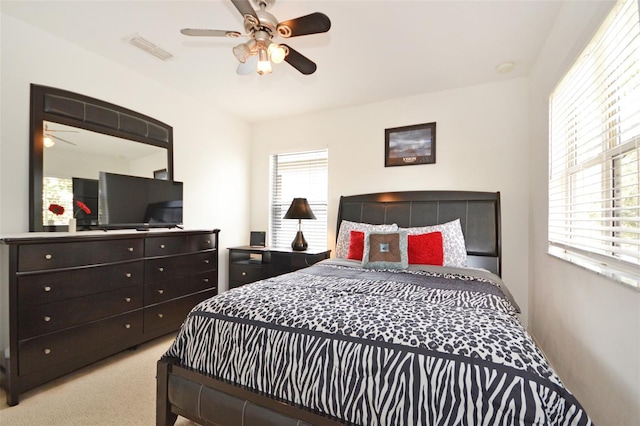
47,129
249,66
209,33
309,24
63,140
245,9
300,62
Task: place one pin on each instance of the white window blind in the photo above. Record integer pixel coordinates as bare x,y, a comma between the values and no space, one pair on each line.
299,175
594,165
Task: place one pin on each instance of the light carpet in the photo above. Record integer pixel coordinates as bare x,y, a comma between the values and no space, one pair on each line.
120,390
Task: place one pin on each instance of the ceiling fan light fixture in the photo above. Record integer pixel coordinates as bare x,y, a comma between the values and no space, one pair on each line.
242,52
276,53
264,65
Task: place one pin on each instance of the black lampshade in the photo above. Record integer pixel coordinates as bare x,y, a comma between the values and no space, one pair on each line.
299,209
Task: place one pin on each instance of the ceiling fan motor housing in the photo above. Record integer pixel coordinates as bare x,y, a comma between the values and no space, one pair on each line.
267,22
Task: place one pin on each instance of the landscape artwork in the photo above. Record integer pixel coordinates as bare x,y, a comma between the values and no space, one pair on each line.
409,145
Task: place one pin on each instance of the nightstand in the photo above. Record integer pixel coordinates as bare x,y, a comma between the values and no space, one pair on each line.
248,264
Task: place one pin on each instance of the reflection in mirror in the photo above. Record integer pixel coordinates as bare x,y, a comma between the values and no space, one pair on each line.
72,160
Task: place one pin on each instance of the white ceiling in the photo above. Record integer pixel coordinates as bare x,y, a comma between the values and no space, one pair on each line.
375,50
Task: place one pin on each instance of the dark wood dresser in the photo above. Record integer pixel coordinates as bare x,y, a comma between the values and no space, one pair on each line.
70,299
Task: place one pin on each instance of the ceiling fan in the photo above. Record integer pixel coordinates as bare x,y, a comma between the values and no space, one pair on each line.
261,27
49,136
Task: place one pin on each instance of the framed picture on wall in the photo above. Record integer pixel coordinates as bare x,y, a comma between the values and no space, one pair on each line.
161,174
409,145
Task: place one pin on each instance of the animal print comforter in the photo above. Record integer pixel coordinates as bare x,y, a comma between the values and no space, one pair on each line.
392,347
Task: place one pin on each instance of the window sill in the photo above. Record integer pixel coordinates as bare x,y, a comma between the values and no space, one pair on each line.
624,277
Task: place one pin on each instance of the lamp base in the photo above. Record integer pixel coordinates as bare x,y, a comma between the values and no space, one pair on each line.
299,243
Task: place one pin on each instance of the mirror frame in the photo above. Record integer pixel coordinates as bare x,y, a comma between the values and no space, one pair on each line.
73,109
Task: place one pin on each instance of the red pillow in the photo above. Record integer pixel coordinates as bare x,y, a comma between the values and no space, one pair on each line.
356,245
425,249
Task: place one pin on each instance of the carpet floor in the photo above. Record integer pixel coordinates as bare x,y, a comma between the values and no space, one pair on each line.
120,390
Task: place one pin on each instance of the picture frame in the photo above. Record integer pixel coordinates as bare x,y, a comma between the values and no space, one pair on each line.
410,145
161,174
257,238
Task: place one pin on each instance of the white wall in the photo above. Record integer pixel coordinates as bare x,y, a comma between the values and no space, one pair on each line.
210,148
481,145
68,164
588,326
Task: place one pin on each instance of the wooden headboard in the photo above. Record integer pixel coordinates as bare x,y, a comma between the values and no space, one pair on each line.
479,214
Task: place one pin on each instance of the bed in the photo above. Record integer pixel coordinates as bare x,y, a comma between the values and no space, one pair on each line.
409,324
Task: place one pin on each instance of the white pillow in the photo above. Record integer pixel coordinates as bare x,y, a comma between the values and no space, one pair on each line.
455,250
344,234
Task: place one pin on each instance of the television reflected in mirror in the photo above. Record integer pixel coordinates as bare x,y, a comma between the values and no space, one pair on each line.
135,202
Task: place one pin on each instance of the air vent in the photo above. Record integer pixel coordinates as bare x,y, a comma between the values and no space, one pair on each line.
147,46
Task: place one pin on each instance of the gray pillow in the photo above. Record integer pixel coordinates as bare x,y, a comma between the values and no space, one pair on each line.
385,250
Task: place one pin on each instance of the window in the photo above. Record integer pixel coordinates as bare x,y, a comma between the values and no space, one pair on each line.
57,191
594,161
299,175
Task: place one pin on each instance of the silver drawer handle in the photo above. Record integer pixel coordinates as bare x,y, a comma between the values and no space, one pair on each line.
130,248
127,299
48,256
47,288
161,291
208,241
127,326
128,275
161,246
206,261
46,351
206,280
46,319
161,269
160,315
244,273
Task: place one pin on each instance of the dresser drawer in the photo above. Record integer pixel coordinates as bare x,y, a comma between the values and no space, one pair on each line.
35,257
166,245
54,286
169,316
162,291
109,335
168,268
41,319
202,242
243,273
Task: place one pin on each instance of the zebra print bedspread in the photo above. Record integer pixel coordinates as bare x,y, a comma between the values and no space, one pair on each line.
380,348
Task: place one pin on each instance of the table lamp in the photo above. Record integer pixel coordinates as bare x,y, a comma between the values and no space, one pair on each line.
299,209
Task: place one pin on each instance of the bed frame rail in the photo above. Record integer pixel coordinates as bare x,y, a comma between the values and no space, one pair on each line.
209,401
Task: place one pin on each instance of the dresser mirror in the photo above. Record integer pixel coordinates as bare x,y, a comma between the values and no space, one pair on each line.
73,138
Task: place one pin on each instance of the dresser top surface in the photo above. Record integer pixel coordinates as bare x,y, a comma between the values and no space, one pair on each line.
37,237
